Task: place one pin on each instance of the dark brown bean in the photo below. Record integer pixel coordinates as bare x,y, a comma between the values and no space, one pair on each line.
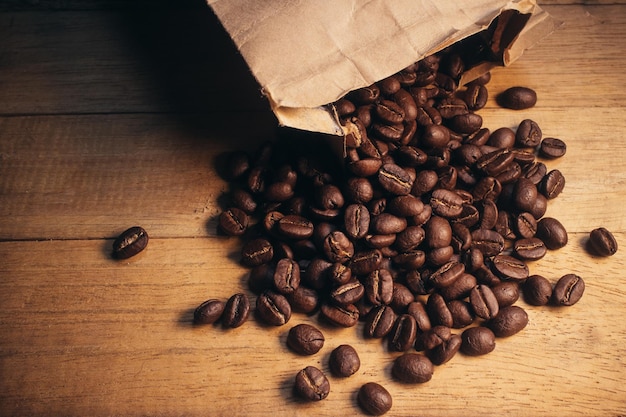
552,233
257,252
379,321
509,321
273,308
602,242
509,268
445,350
343,316
568,290
530,249
528,134
507,293
374,399
135,239
412,368
305,339
478,341
552,184
394,179
517,98
311,384
552,148
357,221
484,302
402,336
337,247
344,361
209,311
286,276
537,290
446,203
236,311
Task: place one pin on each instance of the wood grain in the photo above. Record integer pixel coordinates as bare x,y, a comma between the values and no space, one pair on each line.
111,118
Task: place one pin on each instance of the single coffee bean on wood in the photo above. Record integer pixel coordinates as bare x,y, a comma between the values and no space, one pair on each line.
477,341
602,242
130,242
374,399
305,339
552,233
311,384
552,148
209,311
412,368
517,98
568,290
236,311
234,221
344,361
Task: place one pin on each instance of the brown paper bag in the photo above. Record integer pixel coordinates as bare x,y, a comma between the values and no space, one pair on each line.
306,54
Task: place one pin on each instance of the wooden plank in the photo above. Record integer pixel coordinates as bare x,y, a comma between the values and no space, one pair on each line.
118,340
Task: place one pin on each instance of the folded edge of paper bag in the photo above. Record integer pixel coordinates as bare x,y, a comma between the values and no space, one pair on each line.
508,28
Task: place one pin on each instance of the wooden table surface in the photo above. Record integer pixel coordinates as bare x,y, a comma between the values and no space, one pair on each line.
112,117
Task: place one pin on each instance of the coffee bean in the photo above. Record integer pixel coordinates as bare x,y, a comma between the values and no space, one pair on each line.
238,163
379,321
438,311
466,123
348,293
374,399
509,268
552,184
510,320
287,276
311,384
304,300
273,308
447,274
403,334
305,339
552,233
484,302
243,200
537,290
602,242
344,361
130,242
337,247
462,313
524,194
552,148
257,252
387,223
366,262
294,227
503,137
517,98
445,350
412,368
431,338
568,290
236,311
356,220
507,293
394,179
446,203
530,249
489,242
342,316
389,111
477,341
476,96
209,311
525,225
528,134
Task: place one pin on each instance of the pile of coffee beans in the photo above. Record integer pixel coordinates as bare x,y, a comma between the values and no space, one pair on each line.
423,233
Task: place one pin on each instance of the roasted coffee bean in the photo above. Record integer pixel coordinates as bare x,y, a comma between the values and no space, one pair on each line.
409,238
568,290
337,247
316,273
357,221
552,148
488,214
552,184
476,96
389,86
364,95
524,194
460,288
477,341
403,334
461,237
273,308
236,311
434,136
489,242
446,203
257,252
528,134
537,290
209,311
451,106
429,339
462,313
509,268
305,339
466,123
379,321
507,293
132,241
348,293
437,256
294,227
243,200
311,384
541,205
487,188
304,300
256,179
278,191
447,274
484,302
438,311
387,223
388,132
344,107
401,298
525,225
379,287
517,98
602,242
365,167
444,351
552,233
286,276
503,137
437,232
389,111
359,190
343,316
394,179
344,361
427,115
510,320
366,262
329,197
495,162
412,368
374,399
535,172
339,274
530,249
238,164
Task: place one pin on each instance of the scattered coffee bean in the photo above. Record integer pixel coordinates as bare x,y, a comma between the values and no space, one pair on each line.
568,290
305,339
273,308
209,311
552,233
509,321
413,368
374,399
517,98
537,290
130,242
344,361
602,242
236,311
311,384
477,341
